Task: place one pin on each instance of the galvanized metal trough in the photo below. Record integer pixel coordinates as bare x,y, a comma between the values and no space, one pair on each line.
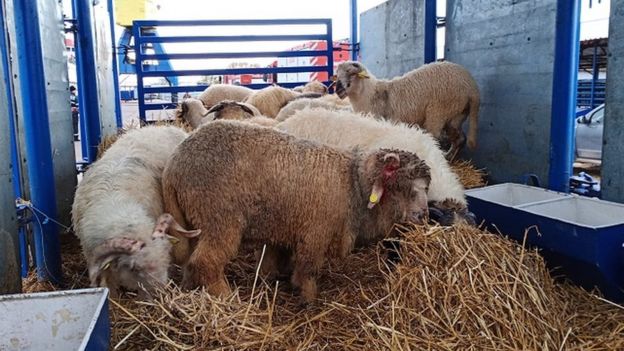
60,320
581,238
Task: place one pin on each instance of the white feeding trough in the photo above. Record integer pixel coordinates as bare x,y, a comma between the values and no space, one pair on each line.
62,320
513,195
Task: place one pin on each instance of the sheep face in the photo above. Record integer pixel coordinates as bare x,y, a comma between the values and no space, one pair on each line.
348,76
229,109
137,264
191,110
398,182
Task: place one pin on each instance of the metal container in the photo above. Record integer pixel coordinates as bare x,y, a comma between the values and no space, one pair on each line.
581,238
60,320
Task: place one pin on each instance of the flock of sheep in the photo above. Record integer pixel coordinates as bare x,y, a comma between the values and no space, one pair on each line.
305,174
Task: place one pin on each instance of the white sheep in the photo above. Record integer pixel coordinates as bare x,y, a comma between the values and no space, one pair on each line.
437,96
192,111
219,92
118,212
270,100
301,103
348,129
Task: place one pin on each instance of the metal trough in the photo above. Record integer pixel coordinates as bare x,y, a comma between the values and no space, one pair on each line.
579,237
62,320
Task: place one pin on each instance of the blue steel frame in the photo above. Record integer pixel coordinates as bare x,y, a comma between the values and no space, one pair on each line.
564,94
86,69
354,29
140,40
37,137
431,26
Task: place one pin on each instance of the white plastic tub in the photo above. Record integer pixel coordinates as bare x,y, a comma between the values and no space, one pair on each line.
512,195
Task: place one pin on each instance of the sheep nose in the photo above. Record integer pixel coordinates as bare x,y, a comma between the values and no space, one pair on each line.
419,217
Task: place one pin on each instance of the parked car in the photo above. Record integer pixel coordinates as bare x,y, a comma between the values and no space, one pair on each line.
589,129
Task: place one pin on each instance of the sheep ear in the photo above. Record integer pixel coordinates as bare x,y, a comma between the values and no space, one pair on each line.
215,108
376,194
246,109
166,224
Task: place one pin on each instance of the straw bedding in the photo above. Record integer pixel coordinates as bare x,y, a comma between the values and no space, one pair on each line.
456,288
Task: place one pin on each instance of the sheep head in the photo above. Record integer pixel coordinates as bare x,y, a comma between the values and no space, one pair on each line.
229,109
348,76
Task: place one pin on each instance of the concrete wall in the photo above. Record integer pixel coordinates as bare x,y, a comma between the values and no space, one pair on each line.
55,70
509,48
613,143
10,281
392,37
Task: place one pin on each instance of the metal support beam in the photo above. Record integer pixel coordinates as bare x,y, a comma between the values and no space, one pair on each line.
354,29
37,137
595,76
564,94
86,68
431,21
111,14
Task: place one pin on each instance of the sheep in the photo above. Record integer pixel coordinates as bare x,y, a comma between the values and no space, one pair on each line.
314,87
118,212
229,109
192,111
265,186
219,92
347,130
271,99
299,104
437,96
335,100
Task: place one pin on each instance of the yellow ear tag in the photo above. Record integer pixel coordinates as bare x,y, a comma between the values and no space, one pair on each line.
363,74
106,266
173,240
373,198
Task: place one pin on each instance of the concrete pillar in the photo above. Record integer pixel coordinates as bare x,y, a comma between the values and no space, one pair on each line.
613,143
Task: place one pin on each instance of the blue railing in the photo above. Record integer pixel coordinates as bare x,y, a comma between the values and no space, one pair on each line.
146,33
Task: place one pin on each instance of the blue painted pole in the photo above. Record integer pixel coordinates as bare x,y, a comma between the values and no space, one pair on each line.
111,16
37,136
595,76
330,49
564,94
87,77
354,29
138,67
430,30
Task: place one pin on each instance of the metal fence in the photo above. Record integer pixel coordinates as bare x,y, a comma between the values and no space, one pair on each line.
146,35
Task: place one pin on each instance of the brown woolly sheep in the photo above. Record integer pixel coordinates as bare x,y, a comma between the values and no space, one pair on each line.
219,92
437,96
270,100
267,187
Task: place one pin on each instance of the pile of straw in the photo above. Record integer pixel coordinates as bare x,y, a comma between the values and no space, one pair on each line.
469,175
456,288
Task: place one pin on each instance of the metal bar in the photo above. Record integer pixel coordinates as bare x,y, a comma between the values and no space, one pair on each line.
37,138
595,75
330,51
233,71
258,22
431,21
354,29
185,88
221,39
138,67
86,68
564,94
117,97
220,55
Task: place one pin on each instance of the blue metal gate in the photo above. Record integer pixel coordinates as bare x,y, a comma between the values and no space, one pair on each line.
146,34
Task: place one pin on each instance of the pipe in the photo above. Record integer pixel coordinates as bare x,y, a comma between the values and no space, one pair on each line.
430,30
564,94
354,27
595,76
37,138
117,97
86,69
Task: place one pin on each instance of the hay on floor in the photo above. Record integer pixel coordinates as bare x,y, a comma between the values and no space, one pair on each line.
469,175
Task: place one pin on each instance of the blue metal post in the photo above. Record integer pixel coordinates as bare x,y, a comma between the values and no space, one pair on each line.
595,76
354,29
87,77
111,15
564,94
37,135
430,30
138,67
330,49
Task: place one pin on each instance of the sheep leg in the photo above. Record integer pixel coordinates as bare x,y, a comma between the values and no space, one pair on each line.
456,135
309,259
275,263
206,266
